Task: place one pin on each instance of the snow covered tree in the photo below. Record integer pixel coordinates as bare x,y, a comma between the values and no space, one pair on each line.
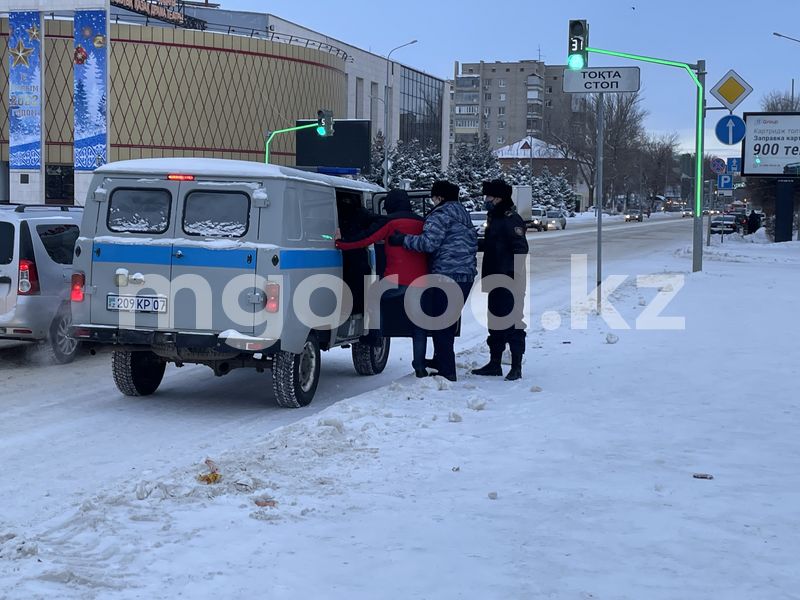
519,174
553,191
418,163
376,160
471,165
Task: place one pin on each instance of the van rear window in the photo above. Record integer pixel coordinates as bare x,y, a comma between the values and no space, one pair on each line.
59,241
216,214
6,243
139,210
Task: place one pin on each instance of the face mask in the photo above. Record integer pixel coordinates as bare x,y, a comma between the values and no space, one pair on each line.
488,205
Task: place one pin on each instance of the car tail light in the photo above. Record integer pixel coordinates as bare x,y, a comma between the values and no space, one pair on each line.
273,291
180,177
78,285
28,282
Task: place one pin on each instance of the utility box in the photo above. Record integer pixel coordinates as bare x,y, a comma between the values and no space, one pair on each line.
522,195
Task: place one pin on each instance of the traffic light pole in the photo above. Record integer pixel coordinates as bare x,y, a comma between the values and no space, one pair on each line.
698,74
272,134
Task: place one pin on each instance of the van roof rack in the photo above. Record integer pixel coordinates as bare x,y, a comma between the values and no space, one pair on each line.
21,208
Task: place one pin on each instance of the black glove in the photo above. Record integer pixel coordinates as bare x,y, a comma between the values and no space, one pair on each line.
397,238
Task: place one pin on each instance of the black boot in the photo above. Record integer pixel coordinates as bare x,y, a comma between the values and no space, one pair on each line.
516,368
420,373
432,363
492,368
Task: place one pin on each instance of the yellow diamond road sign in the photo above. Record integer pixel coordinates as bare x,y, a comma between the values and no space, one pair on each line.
731,90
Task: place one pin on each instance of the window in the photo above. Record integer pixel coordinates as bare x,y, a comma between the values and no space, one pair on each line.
487,81
216,214
471,71
502,97
501,82
501,124
6,243
494,70
533,94
548,103
501,111
316,210
508,70
487,111
501,139
549,89
487,97
59,241
467,110
471,123
359,98
132,210
467,97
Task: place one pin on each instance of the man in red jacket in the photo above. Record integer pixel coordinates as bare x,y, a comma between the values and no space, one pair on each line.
404,267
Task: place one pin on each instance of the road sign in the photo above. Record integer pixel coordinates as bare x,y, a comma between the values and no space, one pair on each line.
731,90
734,165
725,182
730,130
771,147
719,166
601,79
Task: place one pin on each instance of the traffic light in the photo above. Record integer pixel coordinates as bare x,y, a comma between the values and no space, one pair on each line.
325,123
577,56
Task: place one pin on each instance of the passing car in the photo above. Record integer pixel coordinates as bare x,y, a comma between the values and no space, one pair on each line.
538,219
479,223
36,252
634,215
556,220
687,212
723,224
741,218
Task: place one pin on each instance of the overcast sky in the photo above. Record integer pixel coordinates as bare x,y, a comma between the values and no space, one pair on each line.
728,34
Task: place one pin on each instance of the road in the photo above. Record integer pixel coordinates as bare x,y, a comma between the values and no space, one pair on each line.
67,431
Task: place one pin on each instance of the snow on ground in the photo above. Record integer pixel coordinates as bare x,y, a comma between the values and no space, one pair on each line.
576,482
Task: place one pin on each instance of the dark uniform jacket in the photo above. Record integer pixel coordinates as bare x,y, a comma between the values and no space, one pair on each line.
504,237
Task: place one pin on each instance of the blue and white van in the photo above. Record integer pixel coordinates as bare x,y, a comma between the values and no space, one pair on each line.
225,263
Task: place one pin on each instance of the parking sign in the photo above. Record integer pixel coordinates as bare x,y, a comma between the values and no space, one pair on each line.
725,182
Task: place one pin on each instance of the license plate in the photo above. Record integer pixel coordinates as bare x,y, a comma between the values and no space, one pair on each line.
139,304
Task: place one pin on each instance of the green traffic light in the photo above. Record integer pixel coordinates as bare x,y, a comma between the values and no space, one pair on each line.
321,130
575,62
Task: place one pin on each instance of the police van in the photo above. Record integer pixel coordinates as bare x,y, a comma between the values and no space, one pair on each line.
229,264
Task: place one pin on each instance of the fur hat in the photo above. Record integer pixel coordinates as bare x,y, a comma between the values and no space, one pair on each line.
497,188
445,189
397,201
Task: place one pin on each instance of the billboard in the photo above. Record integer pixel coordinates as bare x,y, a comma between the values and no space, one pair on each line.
771,146
349,146
25,90
90,73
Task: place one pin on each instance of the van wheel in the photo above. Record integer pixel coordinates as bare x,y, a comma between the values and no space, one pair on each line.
137,373
60,346
295,376
369,359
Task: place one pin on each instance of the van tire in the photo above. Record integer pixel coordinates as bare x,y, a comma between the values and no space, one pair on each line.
295,376
137,373
369,359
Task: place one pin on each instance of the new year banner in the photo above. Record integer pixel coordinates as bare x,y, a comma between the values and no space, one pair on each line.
25,90
91,89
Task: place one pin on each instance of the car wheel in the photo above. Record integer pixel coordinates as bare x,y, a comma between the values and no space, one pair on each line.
137,373
369,359
62,347
295,376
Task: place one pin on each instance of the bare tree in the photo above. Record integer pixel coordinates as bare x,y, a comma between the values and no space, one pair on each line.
778,101
658,164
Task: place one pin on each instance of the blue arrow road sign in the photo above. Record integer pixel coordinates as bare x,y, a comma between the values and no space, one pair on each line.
724,182
734,165
730,130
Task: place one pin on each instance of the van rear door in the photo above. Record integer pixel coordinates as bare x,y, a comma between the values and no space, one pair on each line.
132,253
8,267
214,257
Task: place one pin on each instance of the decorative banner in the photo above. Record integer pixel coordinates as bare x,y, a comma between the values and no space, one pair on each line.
25,90
91,89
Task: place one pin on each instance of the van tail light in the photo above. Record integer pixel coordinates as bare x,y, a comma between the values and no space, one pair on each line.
273,291
78,284
180,177
28,282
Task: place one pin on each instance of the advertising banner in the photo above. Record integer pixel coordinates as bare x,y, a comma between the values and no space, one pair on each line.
771,145
25,90
91,89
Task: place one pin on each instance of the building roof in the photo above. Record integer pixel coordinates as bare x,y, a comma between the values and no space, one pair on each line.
522,149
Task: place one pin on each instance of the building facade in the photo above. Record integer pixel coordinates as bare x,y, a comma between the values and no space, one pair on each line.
503,100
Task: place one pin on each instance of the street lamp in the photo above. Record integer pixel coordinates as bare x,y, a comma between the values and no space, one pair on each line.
386,115
780,35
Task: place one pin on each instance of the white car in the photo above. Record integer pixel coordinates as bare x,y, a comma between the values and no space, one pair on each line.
538,218
556,220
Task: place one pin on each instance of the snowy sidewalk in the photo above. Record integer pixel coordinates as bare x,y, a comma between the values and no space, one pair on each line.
576,482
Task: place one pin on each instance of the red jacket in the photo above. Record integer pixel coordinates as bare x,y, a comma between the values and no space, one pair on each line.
402,265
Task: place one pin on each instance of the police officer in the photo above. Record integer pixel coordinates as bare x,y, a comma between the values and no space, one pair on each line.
504,251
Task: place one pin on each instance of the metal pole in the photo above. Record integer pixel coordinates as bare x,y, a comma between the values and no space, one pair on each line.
697,241
386,127
599,187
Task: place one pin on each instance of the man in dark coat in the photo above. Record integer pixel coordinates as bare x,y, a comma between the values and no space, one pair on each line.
504,250
753,222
